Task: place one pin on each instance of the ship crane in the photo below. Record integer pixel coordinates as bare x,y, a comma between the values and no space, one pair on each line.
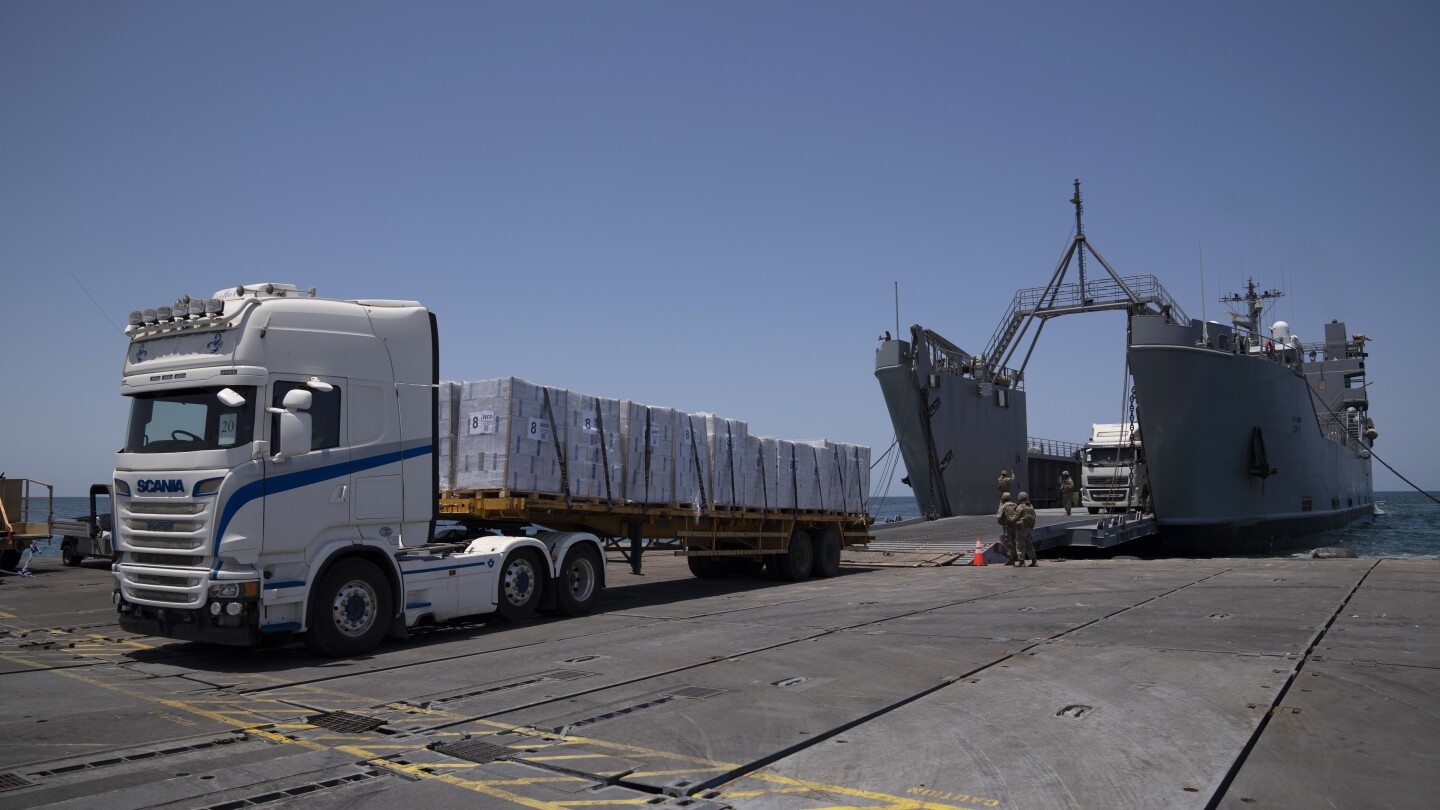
1132,294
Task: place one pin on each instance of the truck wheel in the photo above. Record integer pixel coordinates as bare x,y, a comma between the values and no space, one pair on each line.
9,558
519,586
350,609
826,545
68,555
705,567
579,580
795,564
1094,510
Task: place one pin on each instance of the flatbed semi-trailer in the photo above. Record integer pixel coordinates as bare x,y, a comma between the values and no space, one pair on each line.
281,476
790,544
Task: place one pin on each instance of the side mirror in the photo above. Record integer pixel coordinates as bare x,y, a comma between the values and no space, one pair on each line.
295,430
229,398
298,399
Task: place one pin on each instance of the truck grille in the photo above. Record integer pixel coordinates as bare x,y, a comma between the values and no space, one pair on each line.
1106,481
1114,495
161,586
164,525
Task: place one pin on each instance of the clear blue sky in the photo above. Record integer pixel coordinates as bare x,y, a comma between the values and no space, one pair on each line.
705,205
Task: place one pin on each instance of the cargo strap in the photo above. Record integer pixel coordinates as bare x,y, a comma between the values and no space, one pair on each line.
794,486
559,450
840,476
764,484
819,490
604,454
699,475
646,502
730,460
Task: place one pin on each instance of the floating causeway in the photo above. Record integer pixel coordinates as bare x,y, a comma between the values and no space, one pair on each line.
1236,683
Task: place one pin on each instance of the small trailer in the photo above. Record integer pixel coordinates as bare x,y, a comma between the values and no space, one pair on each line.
25,516
87,535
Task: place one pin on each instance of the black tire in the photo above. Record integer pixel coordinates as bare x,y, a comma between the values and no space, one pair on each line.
1094,510
747,566
826,546
518,589
579,582
799,557
68,555
9,558
705,567
350,610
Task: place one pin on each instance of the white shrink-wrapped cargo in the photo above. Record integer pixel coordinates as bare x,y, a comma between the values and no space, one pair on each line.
593,452
758,490
648,436
854,477
784,465
727,447
692,461
807,476
507,436
828,467
446,415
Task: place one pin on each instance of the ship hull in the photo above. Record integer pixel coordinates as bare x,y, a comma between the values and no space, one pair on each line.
955,433
1217,488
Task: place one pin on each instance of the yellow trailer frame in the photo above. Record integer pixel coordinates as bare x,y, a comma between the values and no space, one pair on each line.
624,527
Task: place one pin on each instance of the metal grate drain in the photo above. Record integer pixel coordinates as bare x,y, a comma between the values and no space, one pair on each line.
475,750
695,692
689,692
565,675
10,781
347,723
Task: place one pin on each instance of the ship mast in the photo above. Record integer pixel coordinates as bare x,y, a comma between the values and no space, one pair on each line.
1254,301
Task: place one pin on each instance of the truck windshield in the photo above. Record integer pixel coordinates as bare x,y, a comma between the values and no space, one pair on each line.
188,419
1109,455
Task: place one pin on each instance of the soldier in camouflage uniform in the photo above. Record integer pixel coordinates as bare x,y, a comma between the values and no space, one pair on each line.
1024,522
1004,482
1005,517
1067,486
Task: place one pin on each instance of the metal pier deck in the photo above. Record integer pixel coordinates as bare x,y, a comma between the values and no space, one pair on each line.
1232,683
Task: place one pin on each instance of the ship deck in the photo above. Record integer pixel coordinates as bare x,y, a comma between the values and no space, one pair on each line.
1094,683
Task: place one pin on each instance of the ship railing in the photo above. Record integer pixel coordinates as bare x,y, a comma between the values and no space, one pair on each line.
1053,447
958,362
1100,293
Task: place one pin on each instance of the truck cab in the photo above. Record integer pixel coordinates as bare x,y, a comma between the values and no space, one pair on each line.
278,476
1112,469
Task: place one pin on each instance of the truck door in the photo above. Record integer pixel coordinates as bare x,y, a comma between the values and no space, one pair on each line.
307,496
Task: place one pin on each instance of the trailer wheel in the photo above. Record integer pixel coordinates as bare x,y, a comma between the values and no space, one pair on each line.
705,567
519,584
826,545
9,558
579,580
795,564
350,609
68,555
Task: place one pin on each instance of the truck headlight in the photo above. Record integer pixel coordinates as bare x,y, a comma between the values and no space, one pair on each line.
235,590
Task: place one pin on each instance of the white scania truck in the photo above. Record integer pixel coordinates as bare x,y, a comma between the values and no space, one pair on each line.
279,476
1112,470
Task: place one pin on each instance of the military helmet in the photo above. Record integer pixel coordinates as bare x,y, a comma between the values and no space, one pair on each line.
1004,496
1023,497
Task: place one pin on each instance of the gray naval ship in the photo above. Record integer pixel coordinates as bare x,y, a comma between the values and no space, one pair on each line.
1252,436
1248,440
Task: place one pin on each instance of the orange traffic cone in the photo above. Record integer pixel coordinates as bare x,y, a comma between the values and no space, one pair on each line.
979,552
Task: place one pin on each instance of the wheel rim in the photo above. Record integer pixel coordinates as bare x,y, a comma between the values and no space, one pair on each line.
581,576
802,555
519,581
354,608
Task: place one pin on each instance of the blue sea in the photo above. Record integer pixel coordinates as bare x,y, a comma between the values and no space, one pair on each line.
1406,525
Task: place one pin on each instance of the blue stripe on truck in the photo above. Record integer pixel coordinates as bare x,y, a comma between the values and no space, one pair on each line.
275,484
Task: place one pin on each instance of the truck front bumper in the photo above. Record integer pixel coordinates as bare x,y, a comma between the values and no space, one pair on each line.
189,624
